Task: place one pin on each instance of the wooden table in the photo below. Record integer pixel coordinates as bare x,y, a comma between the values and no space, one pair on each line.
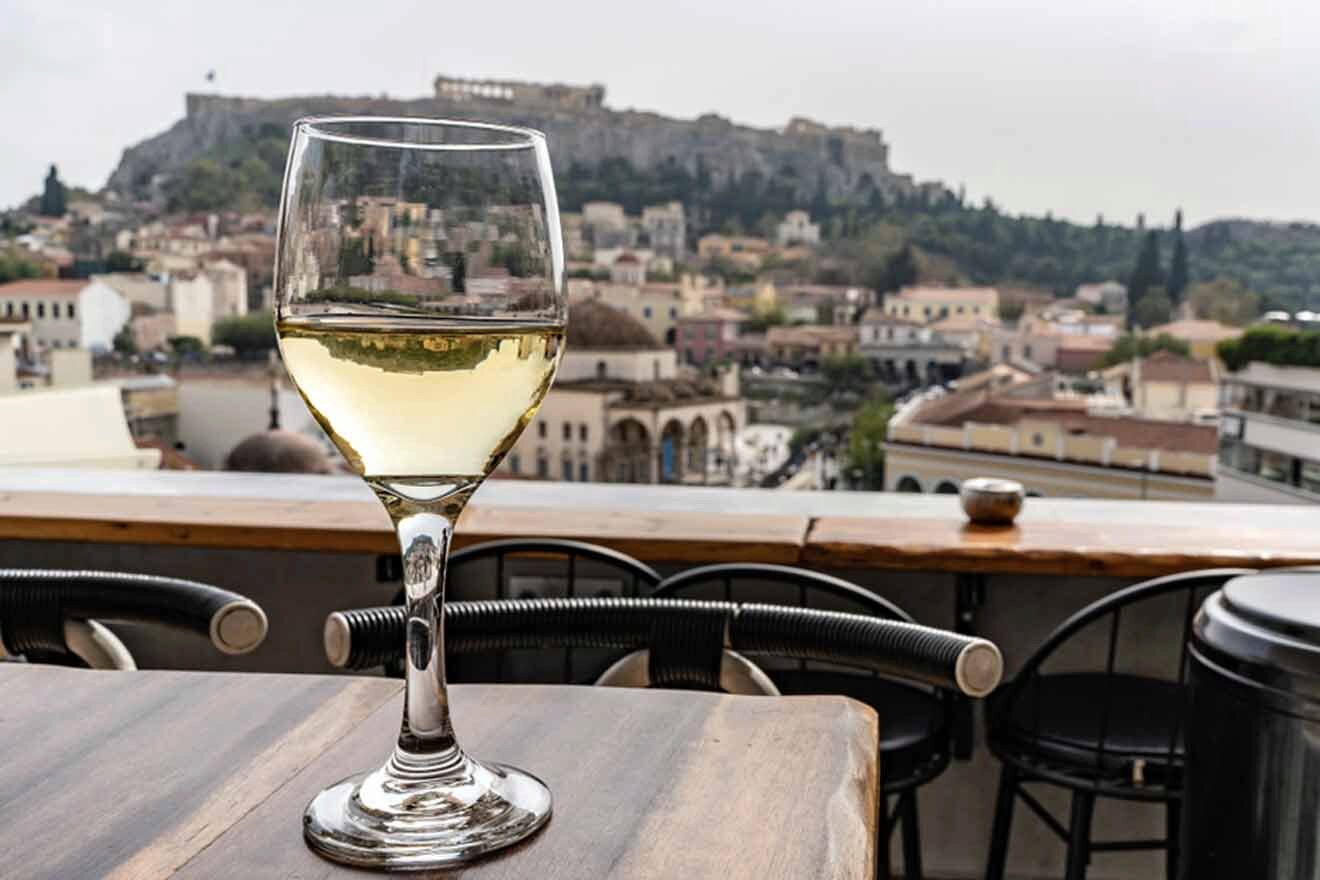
182,774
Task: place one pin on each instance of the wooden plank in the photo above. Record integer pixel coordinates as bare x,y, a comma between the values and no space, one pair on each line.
362,527
131,774
1135,547
646,784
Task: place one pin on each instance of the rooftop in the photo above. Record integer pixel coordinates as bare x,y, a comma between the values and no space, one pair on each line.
968,295
1197,331
43,287
1165,366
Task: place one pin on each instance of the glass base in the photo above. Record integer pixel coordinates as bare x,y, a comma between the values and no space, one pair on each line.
400,818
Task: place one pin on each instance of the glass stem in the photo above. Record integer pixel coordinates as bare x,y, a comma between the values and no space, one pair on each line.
426,739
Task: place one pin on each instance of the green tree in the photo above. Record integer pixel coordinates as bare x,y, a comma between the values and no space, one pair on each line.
203,185
900,270
866,441
249,335
124,342
355,257
119,261
186,345
54,198
847,371
1271,344
1146,273
1152,309
775,316
1224,300
1129,346
1178,265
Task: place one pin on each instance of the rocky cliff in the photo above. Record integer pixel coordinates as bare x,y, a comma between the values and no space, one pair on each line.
841,160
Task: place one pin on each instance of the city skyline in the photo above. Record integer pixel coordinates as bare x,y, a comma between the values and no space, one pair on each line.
1086,110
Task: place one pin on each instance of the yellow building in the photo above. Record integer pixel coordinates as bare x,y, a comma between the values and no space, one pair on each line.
1016,429
930,304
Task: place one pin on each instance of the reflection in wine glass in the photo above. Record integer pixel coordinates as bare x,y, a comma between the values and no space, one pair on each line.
420,312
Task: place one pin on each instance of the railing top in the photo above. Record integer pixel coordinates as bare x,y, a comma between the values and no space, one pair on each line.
664,523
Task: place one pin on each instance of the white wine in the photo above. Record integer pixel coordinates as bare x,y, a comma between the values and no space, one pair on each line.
436,400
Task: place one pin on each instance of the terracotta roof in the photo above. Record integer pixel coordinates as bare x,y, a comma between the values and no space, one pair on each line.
1209,331
43,287
876,315
1165,366
626,258
975,295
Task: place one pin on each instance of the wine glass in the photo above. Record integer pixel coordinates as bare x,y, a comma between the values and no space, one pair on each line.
420,311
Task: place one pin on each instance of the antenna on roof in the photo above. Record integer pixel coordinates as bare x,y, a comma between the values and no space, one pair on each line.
210,76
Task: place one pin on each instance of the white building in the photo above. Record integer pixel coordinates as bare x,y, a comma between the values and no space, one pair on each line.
666,229
66,313
229,289
192,300
1269,435
797,228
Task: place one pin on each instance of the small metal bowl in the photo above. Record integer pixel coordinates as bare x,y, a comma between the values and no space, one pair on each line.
991,501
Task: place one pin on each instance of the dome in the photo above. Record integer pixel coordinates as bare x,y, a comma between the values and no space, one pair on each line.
593,324
279,452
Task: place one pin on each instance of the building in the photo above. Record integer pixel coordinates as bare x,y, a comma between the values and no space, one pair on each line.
657,307
192,299
1108,295
1167,387
930,304
618,412
606,225
1004,423
519,93
229,288
144,293
742,251
666,230
905,352
807,346
709,337
1201,337
1269,435
797,228
628,269
66,314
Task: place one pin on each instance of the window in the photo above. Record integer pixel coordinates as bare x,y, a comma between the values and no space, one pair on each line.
689,356
1026,352
710,331
568,430
542,467
41,310
960,311
54,343
25,310
9,309
583,475
601,371
568,471
515,464
540,430
673,312
71,310
1008,353
927,311
55,310
582,432
646,311
976,310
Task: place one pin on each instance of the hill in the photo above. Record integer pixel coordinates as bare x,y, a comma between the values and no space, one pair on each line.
229,153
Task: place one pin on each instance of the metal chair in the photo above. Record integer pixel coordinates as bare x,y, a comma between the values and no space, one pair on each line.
578,565
916,721
53,616
686,638
1097,733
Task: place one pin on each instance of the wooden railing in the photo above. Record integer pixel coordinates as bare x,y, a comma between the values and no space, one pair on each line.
672,524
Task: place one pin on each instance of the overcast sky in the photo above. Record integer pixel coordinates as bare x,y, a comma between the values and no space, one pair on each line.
1073,106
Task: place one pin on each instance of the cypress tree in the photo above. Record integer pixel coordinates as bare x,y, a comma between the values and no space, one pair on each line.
54,201
1146,274
1178,267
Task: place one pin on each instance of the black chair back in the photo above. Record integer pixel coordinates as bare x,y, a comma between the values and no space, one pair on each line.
1094,726
569,569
